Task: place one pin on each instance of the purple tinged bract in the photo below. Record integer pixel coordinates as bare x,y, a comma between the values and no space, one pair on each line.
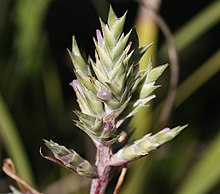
99,36
104,94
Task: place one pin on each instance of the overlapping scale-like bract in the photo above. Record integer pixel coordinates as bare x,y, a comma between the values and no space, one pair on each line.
143,146
69,159
110,88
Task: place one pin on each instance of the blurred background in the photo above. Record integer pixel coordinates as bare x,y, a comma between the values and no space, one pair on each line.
36,101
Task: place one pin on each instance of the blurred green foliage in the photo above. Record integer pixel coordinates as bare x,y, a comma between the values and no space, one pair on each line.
36,101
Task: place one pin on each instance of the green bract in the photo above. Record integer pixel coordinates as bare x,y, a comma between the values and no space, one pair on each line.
144,145
111,87
69,159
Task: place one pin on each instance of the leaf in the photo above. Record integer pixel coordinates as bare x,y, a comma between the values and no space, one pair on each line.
205,174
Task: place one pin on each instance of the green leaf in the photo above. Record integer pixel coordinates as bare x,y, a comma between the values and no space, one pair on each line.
205,173
13,145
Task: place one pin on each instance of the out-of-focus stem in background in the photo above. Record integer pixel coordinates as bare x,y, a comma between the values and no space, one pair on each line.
147,31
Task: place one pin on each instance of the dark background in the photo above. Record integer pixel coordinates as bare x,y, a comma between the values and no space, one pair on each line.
36,120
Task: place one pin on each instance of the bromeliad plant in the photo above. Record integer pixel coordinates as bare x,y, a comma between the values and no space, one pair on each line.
110,90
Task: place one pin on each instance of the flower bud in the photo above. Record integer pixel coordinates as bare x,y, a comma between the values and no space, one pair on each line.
104,94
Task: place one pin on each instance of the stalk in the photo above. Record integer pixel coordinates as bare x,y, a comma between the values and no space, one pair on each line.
103,157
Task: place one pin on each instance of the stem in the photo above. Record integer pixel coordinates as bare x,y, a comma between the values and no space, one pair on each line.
103,155
120,180
147,31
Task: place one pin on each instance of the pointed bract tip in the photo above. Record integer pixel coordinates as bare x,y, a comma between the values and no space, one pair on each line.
99,37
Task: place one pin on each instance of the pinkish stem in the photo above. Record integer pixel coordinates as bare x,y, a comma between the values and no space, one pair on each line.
100,183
